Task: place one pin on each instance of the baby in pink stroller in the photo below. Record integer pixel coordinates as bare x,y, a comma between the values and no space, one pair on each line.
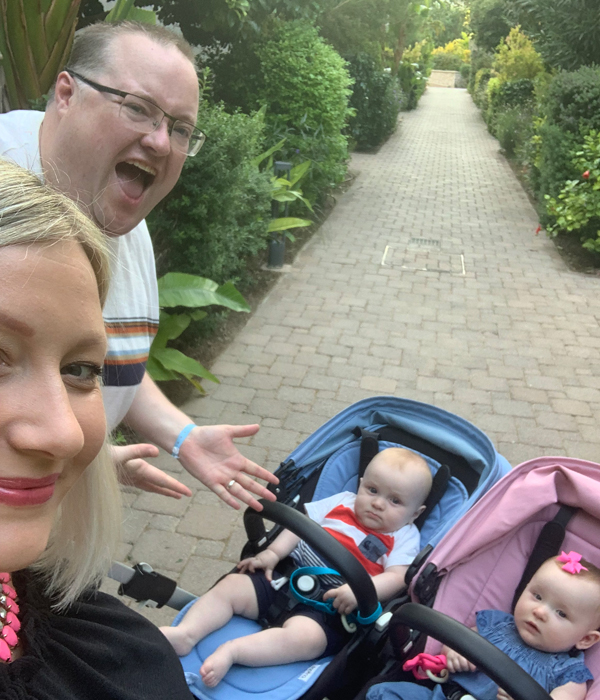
508,542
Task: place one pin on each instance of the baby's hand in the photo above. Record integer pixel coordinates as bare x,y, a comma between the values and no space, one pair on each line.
344,600
266,560
503,695
456,663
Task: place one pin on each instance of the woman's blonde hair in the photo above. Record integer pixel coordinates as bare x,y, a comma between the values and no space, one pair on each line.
87,527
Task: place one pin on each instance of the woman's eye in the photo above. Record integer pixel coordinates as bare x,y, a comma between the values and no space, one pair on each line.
87,372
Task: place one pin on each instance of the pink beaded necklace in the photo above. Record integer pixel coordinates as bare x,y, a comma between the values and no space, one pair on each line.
9,621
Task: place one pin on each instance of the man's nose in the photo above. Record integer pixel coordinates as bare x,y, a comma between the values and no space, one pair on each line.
159,140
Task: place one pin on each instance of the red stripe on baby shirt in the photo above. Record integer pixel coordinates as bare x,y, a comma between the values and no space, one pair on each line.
349,522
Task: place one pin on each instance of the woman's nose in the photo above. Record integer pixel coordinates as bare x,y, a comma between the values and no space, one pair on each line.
46,423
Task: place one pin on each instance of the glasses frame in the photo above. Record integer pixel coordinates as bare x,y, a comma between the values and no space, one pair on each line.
121,93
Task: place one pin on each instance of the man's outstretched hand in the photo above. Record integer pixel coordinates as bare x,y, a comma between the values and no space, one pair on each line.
209,454
133,470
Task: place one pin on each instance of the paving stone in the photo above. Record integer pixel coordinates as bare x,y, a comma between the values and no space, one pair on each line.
206,522
571,407
168,523
201,573
164,550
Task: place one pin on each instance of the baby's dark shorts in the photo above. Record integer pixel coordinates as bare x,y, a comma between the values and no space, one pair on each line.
336,635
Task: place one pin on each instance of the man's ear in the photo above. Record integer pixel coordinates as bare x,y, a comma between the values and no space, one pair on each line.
588,640
64,91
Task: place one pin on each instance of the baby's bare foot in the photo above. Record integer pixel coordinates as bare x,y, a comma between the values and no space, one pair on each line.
178,639
217,665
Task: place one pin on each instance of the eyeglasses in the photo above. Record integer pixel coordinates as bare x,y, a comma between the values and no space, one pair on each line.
144,116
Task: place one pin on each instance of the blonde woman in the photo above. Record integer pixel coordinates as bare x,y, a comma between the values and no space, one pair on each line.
59,500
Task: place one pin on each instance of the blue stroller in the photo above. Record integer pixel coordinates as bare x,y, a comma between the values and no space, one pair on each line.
464,466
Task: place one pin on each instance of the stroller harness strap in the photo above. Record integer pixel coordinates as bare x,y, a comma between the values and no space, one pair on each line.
547,545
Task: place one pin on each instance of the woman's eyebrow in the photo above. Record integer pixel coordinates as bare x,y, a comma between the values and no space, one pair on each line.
14,325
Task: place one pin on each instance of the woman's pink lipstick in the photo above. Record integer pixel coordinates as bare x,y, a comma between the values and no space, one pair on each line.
27,492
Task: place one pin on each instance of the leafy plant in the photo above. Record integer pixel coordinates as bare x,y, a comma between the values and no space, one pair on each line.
215,219
489,22
572,100
565,31
35,40
517,58
513,127
376,100
177,289
577,207
453,55
125,10
304,86
283,193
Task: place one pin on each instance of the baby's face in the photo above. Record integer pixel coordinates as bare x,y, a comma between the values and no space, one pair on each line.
387,498
558,611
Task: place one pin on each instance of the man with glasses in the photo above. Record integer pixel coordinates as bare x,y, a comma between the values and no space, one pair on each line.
120,122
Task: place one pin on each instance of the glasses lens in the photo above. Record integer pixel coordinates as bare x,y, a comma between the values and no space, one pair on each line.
196,142
143,115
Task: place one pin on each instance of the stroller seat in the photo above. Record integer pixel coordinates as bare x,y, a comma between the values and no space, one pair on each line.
287,681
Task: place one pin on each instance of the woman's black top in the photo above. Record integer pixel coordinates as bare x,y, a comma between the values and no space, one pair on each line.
98,649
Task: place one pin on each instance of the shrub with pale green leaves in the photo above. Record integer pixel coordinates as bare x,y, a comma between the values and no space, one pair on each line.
517,58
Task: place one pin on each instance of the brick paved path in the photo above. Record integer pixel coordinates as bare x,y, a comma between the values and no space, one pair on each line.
469,311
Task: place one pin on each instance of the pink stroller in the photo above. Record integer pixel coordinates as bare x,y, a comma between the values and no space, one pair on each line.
484,562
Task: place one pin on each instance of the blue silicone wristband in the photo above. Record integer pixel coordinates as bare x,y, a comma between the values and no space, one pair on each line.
180,438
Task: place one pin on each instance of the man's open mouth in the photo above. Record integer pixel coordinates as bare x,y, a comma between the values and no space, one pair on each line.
134,177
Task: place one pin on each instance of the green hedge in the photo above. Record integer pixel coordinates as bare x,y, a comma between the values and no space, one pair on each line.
216,216
376,99
304,86
572,101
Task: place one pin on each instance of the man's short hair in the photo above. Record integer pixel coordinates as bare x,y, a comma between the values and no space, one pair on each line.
91,54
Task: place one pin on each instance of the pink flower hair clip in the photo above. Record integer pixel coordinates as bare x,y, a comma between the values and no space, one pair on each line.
572,563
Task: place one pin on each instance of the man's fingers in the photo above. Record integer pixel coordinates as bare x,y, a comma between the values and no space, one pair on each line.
123,453
240,431
258,472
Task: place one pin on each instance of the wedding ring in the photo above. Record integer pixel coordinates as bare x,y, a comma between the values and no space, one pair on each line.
230,484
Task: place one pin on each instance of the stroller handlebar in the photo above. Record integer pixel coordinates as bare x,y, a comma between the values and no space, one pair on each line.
330,549
488,658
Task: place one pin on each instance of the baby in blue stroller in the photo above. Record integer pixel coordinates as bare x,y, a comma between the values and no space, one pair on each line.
376,524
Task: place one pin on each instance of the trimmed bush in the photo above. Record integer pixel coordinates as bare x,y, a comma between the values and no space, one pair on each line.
572,100
513,129
376,99
306,88
512,94
217,214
